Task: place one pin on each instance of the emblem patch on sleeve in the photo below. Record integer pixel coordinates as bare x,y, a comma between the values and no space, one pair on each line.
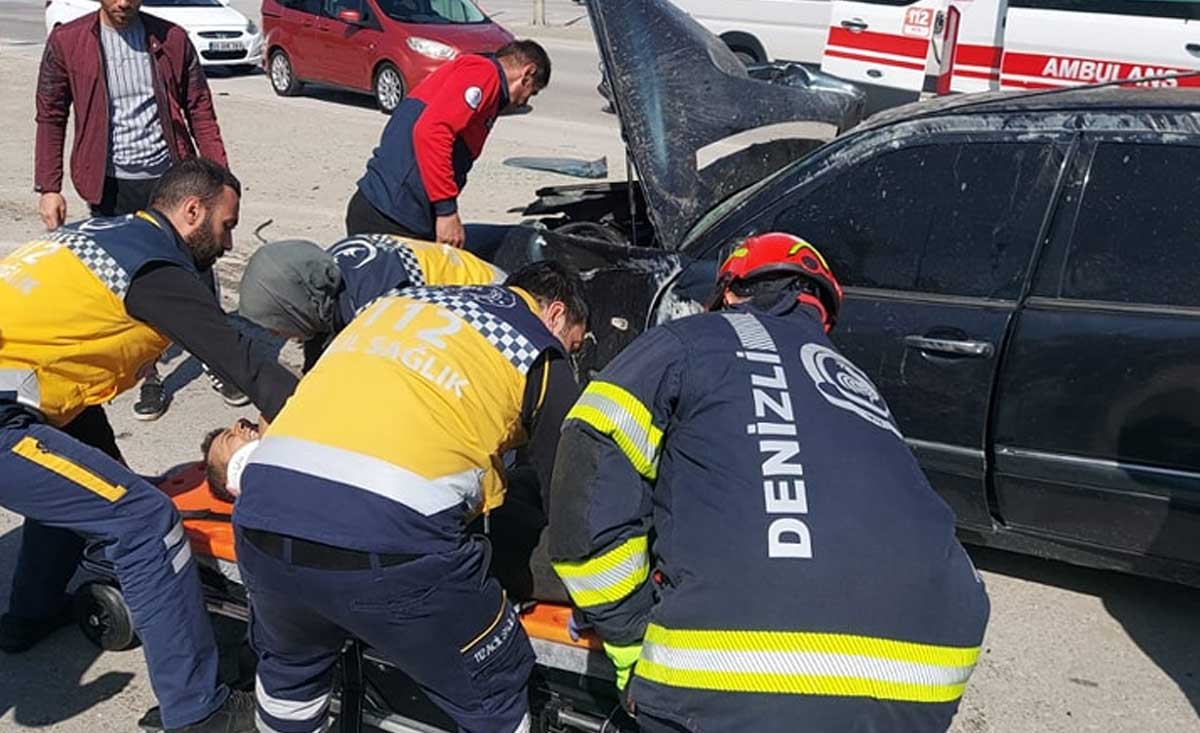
473,97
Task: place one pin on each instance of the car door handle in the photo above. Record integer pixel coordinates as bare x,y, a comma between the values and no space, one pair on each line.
953,347
854,25
1193,49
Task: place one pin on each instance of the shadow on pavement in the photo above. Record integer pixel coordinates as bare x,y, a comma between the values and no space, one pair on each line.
1161,618
44,686
363,100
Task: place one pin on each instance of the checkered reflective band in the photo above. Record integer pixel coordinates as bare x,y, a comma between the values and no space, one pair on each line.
92,255
390,243
501,334
409,258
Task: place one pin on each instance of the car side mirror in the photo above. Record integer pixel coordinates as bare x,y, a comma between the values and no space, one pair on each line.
351,16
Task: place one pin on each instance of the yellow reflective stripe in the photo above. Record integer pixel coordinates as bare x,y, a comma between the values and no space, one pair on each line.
806,664
790,641
491,626
764,682
146,217
618,414
31,450
607,578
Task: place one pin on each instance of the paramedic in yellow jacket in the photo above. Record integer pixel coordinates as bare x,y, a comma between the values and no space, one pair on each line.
84,309
298,290
361,490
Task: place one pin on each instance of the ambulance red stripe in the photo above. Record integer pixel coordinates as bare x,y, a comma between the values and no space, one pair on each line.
975,55
915,48
873,59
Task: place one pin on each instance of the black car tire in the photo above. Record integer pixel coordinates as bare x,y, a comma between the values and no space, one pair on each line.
104,618
280,72
745,57
388,86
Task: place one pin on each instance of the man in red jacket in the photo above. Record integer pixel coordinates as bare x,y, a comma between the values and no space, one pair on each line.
141,103
414,177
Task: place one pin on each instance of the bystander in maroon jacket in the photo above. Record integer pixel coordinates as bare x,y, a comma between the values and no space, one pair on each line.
72,73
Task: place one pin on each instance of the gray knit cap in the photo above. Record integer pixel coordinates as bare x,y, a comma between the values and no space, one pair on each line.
290,287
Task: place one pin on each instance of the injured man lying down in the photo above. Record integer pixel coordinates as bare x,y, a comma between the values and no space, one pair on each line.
514,529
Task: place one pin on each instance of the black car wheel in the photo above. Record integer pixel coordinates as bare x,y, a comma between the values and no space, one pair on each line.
745,57
283,79
389,87
104,618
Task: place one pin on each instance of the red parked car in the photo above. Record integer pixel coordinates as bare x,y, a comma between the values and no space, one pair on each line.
384,47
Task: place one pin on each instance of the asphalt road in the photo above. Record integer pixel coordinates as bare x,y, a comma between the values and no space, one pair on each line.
1068,649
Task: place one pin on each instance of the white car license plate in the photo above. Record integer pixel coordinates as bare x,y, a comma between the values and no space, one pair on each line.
226,46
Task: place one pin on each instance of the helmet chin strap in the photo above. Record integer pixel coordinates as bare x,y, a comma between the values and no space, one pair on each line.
815,303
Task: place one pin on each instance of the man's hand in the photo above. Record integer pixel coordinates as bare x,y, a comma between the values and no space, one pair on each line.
450,231
53,209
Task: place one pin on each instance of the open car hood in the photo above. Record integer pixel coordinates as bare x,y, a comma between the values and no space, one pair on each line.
698,126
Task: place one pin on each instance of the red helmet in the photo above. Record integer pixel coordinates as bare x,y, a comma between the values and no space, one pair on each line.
778,253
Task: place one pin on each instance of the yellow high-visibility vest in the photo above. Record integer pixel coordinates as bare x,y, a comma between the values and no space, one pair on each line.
66,341
417,399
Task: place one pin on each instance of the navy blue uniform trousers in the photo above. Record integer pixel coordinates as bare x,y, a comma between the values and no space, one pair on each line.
439,618
69,491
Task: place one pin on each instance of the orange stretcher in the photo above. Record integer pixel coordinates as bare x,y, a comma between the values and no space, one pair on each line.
571,691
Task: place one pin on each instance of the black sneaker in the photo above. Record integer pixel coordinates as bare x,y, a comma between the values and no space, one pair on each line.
151,722
235,716
233,396
152,401
20,633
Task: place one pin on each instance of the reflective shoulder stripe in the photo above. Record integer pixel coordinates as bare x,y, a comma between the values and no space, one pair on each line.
31,450
801,663
618,414
607,578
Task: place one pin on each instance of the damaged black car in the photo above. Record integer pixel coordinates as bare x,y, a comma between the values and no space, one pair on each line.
1020,271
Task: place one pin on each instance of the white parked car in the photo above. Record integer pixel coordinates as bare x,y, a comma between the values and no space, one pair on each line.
222,36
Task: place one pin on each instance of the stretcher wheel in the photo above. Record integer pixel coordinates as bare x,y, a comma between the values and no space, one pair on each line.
104,618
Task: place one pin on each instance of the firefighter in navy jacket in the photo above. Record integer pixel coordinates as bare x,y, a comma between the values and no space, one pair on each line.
735,512
433,138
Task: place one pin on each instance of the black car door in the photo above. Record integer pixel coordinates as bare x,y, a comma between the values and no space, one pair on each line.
933,242
1097,433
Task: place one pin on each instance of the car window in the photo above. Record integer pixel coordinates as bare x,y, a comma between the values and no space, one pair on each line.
331,8
304,6
432,11
1137,234
951,219
1183,9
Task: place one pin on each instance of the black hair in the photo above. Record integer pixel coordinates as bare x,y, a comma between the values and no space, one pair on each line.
526,51
198,177
548,281
216,477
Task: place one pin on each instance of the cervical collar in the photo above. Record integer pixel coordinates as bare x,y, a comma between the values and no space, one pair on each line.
237,464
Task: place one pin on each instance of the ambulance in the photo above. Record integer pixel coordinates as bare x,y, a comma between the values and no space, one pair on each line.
901,50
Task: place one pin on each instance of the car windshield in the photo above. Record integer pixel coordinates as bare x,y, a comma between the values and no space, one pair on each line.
730,203
181,3
440,12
